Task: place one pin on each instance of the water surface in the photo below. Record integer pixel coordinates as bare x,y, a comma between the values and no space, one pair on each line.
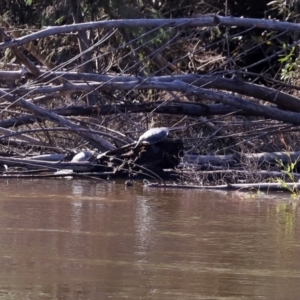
85,239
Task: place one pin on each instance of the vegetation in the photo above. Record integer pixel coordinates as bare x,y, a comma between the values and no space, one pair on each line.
67,85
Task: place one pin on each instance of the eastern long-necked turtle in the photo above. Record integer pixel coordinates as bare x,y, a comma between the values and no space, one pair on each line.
155,135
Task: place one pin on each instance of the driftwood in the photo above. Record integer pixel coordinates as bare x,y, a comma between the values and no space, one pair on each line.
129,159
42,85
98,142
238,158
264,186
47,174
169,156
204,21
54,166
118,163
171,108
271,95
261,173
148,83
142,161
111,91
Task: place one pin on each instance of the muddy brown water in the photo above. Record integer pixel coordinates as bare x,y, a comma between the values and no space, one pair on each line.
83,239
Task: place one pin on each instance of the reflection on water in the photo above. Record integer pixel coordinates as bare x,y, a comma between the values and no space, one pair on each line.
79,239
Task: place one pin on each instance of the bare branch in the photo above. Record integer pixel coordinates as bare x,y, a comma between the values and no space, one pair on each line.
133,23
98,142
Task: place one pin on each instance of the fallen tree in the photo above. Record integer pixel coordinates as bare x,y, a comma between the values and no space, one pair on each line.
157,78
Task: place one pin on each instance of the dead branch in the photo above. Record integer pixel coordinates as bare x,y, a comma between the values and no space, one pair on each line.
97,142
255,187
205,21
30,163
236,85
233,159
19,55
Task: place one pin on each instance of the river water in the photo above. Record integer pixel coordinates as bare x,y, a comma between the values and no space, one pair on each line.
87,239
